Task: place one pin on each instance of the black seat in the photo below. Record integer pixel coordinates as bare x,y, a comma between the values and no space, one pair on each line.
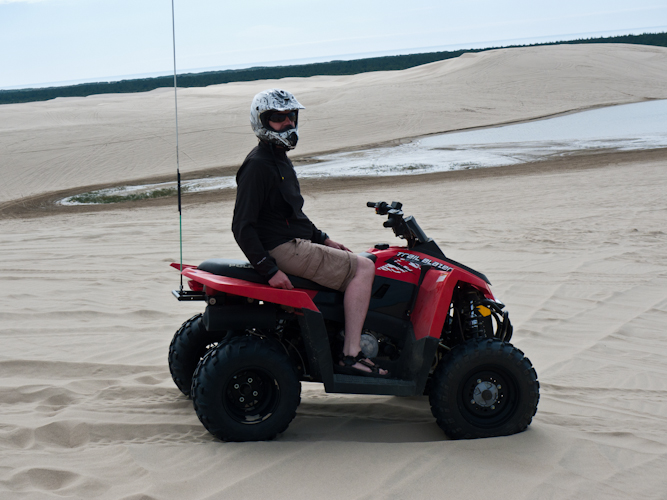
243,270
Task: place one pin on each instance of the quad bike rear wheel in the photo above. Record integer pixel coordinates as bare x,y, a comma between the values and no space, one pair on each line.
190,343
484,388
246,389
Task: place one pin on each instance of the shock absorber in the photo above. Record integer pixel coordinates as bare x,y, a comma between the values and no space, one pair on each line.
474,321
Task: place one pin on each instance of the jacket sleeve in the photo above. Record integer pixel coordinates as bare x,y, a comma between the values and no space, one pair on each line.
318,235
251,193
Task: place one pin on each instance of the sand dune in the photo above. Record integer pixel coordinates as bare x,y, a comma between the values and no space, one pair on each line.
73,142
575,248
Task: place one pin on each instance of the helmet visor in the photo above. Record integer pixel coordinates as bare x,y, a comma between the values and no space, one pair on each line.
279,117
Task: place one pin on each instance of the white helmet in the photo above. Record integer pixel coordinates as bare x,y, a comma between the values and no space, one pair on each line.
274,100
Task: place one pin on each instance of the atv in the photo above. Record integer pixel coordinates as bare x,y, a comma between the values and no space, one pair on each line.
432,322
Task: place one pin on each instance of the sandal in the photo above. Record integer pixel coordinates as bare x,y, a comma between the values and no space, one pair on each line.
348,367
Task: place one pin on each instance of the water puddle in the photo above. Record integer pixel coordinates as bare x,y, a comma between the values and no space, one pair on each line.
617,128
148,191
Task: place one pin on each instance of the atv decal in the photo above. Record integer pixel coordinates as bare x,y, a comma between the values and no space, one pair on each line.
399,265
423,261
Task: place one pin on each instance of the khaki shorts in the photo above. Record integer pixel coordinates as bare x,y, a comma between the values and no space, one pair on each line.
324,265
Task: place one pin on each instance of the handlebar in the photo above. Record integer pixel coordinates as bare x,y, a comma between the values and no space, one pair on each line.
383,208
406,228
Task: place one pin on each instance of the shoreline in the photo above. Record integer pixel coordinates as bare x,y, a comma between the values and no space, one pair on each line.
37,205
44,205
309,158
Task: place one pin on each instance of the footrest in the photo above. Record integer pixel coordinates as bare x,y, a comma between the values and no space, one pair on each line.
353,384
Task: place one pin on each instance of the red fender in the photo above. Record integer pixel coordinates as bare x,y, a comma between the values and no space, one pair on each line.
435,296
296,298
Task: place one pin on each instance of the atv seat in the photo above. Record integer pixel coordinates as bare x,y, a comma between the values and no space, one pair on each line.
243,270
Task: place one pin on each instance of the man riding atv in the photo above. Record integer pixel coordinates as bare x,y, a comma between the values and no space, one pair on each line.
278,238
425,323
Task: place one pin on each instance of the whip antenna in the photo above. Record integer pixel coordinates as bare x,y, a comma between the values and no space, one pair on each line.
178,166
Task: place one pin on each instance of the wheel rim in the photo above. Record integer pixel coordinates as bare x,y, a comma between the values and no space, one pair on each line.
251,396
488,396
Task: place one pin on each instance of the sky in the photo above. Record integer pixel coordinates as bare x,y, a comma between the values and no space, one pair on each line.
51,42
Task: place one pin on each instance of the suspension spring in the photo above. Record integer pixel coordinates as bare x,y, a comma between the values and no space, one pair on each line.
474,321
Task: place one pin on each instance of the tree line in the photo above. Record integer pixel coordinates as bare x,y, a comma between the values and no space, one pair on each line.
385,63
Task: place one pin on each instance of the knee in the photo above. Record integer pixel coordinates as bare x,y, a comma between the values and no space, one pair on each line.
365,267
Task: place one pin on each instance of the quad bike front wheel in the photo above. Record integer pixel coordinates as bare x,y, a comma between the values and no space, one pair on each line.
190,343
484,388
246,389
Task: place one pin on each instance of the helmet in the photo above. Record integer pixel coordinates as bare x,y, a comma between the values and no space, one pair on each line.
274,100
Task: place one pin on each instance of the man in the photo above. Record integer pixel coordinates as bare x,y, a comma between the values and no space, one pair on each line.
277,237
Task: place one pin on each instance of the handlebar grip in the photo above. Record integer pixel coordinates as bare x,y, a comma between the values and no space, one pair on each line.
388,223
371,204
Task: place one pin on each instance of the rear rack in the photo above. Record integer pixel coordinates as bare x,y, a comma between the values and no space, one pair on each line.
187,295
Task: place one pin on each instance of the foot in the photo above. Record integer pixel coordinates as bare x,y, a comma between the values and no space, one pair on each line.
362,364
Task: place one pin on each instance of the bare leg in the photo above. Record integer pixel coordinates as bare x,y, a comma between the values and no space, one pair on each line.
356,300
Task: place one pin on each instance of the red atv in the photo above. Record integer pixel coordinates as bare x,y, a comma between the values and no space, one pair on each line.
432,322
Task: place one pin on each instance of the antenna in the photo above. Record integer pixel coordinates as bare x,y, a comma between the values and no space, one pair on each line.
178,166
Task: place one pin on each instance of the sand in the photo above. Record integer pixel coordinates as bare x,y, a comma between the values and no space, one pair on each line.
575,248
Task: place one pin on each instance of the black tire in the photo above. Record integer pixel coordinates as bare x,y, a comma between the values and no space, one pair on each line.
484,388
189,345
246,389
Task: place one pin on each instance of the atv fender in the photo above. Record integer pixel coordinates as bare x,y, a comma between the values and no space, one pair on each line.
434,298
296,298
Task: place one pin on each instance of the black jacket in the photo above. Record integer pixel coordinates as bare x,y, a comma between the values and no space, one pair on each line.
268,210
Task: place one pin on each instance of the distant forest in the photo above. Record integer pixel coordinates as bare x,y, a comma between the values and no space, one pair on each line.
386,63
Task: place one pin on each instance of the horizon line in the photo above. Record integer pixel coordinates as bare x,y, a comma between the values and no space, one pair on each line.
342,57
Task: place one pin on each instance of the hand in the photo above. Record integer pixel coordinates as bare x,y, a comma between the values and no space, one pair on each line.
280,280
328,242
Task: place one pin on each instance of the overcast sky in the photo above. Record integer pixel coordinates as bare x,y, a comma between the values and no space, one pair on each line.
48,41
